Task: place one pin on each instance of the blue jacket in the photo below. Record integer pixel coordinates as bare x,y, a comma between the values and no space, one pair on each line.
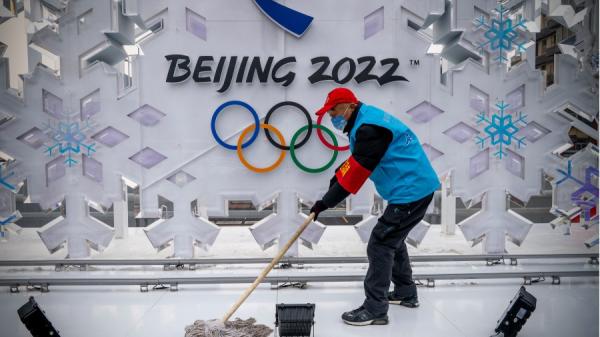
404,173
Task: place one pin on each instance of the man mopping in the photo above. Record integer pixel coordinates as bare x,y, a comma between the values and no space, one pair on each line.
386,151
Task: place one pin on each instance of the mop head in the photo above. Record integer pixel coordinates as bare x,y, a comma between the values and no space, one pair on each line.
237,328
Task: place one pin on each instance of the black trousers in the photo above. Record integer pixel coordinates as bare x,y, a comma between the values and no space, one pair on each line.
388,256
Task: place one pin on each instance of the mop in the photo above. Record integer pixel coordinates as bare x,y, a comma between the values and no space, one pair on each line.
240,327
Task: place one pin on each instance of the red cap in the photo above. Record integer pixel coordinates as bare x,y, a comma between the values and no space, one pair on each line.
335,97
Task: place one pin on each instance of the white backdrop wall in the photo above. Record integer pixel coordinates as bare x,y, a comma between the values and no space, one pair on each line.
184,163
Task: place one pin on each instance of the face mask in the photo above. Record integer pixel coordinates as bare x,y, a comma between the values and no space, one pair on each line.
339,122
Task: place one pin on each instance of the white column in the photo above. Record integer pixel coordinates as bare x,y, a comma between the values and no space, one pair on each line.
448,206
287,206
120,214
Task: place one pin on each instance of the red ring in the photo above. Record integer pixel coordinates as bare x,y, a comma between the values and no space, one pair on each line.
325,142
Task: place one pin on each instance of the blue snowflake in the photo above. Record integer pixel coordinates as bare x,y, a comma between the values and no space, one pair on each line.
4,180
501,129
586,196
5,222
501,34
70,139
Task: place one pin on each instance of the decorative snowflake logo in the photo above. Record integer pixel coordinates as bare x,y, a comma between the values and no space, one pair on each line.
501,34
4,180
501,129
69,138
586,197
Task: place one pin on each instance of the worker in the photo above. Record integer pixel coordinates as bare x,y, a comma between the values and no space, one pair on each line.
386,151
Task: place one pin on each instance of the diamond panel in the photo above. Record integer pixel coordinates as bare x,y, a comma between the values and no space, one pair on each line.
90,105
431,152
479,163
373,23
110,136
195,24
147,115
52,104
516,99
515,164
181,178
55,169
92,169
147,157
34,138
479,100
461,132
424,112
533,131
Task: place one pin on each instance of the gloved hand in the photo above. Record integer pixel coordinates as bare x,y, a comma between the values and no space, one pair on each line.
317,208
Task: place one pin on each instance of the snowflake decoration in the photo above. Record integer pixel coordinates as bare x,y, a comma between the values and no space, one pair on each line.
69,138
586,197
4,179
501,129
501,34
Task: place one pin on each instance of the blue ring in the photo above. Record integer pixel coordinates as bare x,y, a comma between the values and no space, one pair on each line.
213,123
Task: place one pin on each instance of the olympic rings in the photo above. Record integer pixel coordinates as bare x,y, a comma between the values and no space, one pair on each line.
301,108
213,124
281,144
241,155
293,149
325,142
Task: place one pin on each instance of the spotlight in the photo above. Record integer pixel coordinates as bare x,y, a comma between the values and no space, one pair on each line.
517,313
35,321
294,319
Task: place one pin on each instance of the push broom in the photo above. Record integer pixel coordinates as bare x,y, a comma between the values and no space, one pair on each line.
240,327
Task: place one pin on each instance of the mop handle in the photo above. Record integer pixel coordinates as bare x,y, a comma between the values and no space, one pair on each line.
267,269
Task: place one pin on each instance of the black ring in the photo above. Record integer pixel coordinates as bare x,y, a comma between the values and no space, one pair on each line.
301,108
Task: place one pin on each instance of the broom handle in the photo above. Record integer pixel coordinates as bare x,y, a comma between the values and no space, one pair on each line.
267,269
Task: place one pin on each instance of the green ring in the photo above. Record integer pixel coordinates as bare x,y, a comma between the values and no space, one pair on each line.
293,149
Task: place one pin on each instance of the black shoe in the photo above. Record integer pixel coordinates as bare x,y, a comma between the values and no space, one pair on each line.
409,301
362,316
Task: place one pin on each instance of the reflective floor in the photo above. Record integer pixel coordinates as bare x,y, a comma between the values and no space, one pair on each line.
452,308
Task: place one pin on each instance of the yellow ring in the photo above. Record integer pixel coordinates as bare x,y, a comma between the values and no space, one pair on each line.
241,154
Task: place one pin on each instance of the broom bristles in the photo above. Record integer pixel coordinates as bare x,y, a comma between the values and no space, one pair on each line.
236,328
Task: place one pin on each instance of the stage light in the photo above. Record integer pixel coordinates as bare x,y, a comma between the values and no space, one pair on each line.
294,320
35,320
517,313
